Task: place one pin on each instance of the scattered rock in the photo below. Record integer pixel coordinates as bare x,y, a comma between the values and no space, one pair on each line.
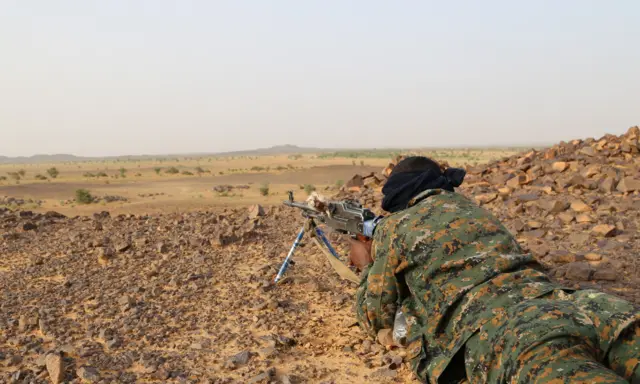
579,271
385,337
55,367
88,374
605,230
256,211
607,274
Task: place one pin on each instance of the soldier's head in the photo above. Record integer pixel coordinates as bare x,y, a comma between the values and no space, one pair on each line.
413,175
416,164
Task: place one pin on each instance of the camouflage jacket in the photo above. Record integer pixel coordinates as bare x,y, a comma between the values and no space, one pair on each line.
450,266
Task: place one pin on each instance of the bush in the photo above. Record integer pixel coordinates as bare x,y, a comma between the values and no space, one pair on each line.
157,170
172,170
123,172
3,178
187,173
88,174
102,174
53,172
40,177
264,190
83,196
309,188
22,172
14,175
200,171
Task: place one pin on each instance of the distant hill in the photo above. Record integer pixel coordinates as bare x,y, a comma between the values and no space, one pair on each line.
286,149
61,158
58,158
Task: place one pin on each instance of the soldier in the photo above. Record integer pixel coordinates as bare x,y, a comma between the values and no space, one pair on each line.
478,308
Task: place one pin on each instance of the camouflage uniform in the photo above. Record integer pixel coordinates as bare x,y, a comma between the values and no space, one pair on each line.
472,296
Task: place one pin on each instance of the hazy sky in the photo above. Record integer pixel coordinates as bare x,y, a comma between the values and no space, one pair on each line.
129,77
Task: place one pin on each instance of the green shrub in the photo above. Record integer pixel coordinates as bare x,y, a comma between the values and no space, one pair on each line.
309,188
88,174
102,174
187,173
264,189
123,172
40,177
172,170
53,172
83,196
157,170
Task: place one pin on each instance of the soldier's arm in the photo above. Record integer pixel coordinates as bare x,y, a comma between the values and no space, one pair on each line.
377,293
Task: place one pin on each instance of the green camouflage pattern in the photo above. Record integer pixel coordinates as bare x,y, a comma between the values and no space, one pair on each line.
457,273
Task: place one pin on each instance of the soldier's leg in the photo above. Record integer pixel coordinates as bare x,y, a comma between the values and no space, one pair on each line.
618,325
538,341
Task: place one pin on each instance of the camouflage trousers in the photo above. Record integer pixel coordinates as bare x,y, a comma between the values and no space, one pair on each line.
579,337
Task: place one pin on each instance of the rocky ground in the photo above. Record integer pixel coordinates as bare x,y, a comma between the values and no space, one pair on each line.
176,298
187,298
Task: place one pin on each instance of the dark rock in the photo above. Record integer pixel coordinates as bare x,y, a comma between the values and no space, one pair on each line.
579,271
29,226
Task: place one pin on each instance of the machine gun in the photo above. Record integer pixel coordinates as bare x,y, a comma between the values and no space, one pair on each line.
343,216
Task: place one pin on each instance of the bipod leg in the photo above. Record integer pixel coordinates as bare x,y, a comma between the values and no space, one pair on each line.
285,264
332,256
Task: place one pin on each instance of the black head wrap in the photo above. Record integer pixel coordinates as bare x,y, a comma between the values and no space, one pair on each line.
413,175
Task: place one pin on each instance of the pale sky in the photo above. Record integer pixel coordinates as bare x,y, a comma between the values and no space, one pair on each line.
116,77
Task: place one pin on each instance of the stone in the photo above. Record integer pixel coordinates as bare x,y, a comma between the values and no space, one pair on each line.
540,250
562,257
29,226
532,224
355,181
578,271
560,166
580,207
584,218
256,211
126,300
606,274
588,151
162,247
566,217
557,206
592,257
123,246
608,185
605,230
88,374
385,337
628,184
485,198
264,377
516,181
241,358
55,367
385,373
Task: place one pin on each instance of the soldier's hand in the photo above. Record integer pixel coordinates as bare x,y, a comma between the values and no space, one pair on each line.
360,253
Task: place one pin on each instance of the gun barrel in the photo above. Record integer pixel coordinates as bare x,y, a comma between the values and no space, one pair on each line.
303,206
